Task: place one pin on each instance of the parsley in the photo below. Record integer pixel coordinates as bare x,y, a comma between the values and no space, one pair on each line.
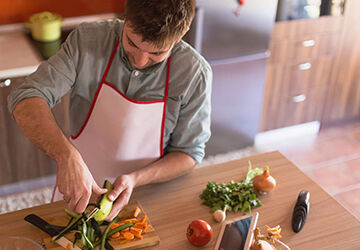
235,196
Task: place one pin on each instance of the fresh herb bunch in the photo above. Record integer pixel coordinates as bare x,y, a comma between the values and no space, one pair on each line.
234,196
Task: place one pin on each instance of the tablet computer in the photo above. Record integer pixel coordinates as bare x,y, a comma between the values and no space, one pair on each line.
237,234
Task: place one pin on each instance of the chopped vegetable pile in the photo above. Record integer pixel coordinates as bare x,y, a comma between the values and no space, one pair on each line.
234,196
89,235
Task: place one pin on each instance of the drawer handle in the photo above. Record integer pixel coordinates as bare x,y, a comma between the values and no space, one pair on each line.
308,43
299,98
5,83
305,66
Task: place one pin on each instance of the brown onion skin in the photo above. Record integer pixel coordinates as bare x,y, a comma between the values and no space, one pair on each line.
264,182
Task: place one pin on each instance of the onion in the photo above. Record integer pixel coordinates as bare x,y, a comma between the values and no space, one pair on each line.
264,182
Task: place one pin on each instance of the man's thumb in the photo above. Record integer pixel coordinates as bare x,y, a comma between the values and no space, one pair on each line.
98,190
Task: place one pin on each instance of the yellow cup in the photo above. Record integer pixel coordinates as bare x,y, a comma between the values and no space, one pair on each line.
45,26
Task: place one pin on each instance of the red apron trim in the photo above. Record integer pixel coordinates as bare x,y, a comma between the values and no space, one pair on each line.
95,99
164,110
98,90
89,114
128,98
111,59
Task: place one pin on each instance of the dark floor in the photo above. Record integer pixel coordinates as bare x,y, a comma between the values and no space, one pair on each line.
331,159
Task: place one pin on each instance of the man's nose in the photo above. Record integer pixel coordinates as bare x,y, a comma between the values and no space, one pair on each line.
141,59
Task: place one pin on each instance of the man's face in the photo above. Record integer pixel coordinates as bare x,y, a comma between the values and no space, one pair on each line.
141,54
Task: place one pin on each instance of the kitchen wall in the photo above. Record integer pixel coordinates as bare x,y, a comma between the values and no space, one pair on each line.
18,11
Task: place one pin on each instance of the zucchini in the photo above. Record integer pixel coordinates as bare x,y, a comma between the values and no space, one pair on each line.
105,204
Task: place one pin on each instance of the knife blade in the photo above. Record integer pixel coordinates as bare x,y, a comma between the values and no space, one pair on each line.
44,226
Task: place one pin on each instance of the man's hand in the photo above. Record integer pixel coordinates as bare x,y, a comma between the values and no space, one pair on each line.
73,179
76,183
168,167
123,188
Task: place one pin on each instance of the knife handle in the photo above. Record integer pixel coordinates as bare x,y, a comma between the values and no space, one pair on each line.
301,211
64,242
42,224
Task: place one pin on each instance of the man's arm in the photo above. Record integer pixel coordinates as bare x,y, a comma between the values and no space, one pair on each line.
73,179
170,166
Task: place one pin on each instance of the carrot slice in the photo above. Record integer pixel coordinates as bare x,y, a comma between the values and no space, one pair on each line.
137,235
129,220
148,228
115,225
140,225
135,229
137,232
144,218
115,235
136,211
127,235
68,246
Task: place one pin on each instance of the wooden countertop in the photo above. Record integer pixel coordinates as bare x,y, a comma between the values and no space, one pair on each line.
172,206
18,55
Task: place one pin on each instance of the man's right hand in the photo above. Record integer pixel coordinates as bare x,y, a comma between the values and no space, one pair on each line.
76,183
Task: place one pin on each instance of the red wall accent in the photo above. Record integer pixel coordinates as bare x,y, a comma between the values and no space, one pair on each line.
19,11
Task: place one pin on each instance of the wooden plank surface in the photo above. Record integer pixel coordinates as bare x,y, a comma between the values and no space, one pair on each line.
173,205
329,225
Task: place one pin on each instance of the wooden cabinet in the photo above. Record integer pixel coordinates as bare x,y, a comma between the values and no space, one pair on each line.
298,71
343,97
20,158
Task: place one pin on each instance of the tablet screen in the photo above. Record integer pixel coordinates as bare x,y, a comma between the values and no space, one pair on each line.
235,234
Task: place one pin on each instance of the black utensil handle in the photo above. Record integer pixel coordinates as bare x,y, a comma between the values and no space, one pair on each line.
301,210
40,223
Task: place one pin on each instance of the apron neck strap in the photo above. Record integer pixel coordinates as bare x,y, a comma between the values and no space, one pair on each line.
111,59
167,78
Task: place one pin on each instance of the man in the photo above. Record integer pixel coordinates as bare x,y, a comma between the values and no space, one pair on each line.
139,108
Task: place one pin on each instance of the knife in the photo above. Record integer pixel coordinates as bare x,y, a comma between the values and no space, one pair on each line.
44,226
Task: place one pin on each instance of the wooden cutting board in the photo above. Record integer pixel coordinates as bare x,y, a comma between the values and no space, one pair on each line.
150,238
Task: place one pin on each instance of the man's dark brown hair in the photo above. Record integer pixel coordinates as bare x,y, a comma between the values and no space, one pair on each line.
160,22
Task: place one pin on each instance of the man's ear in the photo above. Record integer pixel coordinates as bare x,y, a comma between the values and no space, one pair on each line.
188,28
183,35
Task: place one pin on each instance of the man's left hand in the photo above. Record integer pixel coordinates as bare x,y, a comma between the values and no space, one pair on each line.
123,188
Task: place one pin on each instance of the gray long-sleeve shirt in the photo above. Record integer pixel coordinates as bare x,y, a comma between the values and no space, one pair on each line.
80,65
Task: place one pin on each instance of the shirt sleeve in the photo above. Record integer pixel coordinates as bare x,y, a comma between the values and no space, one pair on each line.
53,78
192,130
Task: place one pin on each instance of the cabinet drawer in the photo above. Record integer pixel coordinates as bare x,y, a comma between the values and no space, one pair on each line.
283,111
294,78
313,46
303,27
302,77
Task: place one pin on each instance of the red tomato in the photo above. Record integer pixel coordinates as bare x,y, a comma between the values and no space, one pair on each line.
199,233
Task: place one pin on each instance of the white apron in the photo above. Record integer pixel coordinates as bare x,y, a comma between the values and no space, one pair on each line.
120,135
